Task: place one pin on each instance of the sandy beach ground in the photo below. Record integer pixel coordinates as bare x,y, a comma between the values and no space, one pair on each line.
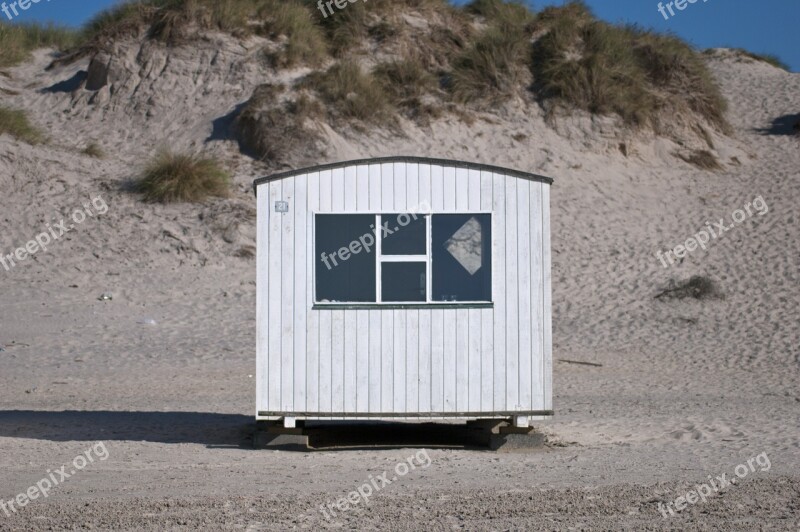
162,374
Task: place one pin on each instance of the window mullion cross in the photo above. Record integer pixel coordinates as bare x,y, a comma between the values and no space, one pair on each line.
378,256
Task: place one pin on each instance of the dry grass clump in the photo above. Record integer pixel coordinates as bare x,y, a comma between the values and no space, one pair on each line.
772,59
432,56
501,11
491,67
697,287
378,20
170,20
584,63
177,21
270,127
174,21
702,159
591,67
673,65
347,28
123,20
405,80
277,121
246,252
93,149
15,123
496,61
411,87
174,177
18,40
350,92
305,40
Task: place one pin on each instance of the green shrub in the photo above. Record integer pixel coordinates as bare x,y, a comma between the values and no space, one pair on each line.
171,177
15,123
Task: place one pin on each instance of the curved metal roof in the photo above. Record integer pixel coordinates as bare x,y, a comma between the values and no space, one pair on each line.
404,159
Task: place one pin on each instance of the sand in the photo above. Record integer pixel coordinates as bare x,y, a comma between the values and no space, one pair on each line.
163,372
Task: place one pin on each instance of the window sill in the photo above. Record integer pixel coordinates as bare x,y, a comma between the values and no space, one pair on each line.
401,306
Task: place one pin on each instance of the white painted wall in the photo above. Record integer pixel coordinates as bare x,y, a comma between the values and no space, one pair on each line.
453,362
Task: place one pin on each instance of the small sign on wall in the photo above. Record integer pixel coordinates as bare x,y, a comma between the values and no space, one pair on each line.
281,206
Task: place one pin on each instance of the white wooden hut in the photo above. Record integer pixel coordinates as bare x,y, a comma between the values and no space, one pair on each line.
403,288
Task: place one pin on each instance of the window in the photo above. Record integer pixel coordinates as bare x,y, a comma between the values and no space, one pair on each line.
462,264
341,272
403,258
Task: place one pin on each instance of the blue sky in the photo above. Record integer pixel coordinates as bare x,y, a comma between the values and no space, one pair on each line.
763,26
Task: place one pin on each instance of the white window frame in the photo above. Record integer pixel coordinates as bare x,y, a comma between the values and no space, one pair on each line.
381,258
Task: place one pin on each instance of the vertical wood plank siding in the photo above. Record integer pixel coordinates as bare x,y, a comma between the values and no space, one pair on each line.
398,361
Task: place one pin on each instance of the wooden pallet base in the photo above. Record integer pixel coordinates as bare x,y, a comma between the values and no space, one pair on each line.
488,434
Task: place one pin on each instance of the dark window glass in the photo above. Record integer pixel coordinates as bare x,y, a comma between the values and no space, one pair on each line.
403,281
345,260
462,257
403,234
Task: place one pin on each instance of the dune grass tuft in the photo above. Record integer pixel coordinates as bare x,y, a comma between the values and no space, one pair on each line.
350,92
93,149
501,11
173,177
17,41
271,127
345,29
433,56
591,67
772,59
15,123
176,21
697,287
305,39
490,67
672,64
588,64
405,79
703,159
410,87
168,20
495,62
123,20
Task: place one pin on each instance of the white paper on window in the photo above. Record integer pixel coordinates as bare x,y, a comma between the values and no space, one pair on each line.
466,246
